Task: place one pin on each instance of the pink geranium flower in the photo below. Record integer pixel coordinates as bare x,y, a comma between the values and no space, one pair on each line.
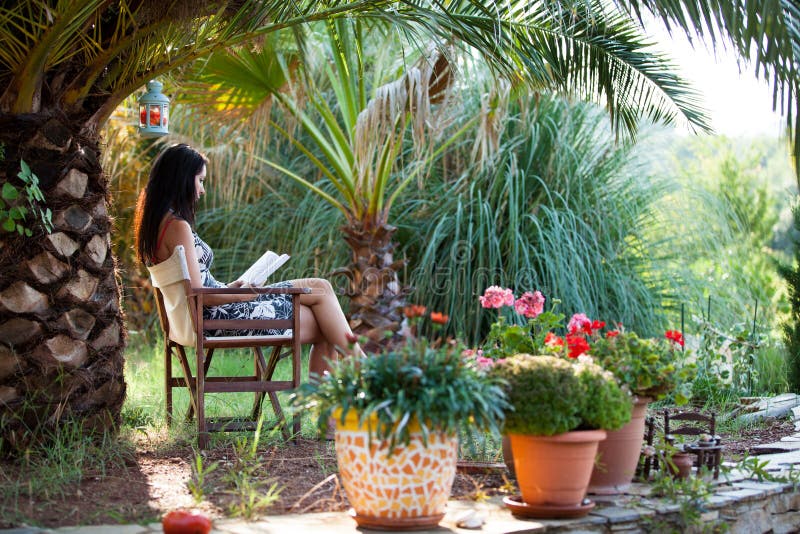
580,323
497,297
530,304
483,362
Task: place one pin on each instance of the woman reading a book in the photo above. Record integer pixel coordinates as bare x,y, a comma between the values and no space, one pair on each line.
165,219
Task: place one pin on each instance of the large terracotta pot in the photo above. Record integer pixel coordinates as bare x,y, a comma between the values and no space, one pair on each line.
405,491
618,454
555,470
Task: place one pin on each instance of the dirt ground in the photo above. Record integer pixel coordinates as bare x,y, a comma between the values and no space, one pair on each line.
153,482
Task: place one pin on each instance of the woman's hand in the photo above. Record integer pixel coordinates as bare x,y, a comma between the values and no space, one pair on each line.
241,298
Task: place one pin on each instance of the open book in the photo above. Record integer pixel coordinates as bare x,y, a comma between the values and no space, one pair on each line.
264,266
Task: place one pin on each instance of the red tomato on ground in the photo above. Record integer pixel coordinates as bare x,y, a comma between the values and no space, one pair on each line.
185,522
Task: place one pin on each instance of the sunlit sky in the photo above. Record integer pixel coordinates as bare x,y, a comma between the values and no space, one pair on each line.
739,104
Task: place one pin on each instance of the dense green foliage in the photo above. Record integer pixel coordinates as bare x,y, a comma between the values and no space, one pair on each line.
550,395
433,386
791,327
561,207
649,367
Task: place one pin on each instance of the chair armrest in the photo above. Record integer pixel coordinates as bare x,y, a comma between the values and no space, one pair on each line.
251,290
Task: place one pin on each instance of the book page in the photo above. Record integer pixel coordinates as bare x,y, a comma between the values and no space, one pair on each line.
264,266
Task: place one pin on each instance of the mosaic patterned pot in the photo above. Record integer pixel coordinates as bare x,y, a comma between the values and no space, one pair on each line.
405,491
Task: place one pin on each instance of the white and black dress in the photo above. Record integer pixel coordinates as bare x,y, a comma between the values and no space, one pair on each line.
261,307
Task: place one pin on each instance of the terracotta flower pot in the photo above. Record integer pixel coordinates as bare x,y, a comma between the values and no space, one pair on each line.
680,464
405,491
555,470
618,454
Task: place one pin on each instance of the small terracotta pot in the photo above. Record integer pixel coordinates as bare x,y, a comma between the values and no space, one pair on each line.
618,454
555,470
405,491
680,464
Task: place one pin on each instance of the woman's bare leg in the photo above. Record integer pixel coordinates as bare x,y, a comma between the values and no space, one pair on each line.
321,354
321,350
327,313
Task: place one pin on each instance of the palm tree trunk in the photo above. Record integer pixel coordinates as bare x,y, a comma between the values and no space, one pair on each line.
61,329
376,295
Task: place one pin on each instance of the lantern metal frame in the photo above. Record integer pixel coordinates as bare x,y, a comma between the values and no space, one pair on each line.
153,111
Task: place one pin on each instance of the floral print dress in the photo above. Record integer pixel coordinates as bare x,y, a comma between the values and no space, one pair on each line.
261,307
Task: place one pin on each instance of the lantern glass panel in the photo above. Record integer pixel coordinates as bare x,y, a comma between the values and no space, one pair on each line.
142,116
155,115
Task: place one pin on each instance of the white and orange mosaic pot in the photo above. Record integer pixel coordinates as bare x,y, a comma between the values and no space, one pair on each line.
406,490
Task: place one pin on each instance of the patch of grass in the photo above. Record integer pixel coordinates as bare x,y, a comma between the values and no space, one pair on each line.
55,469
144,410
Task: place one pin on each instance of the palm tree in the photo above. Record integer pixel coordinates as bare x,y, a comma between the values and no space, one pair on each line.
356,133
65,65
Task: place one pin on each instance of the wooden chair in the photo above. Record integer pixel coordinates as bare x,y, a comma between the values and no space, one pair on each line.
648,462
180,308
693,424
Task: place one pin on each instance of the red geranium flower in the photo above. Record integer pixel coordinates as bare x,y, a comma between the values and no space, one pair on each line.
439,318
577,345
552,340
414,310
674,336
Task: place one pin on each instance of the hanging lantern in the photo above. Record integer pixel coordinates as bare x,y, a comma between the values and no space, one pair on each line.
153,111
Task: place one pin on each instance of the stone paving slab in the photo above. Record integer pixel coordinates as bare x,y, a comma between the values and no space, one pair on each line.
781,460
748,505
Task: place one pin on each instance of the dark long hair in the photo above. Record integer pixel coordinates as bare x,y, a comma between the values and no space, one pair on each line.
170,187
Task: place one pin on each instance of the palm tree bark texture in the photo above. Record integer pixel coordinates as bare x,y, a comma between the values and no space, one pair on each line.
61,329
376,294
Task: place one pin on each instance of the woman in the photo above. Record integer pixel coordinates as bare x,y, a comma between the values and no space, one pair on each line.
165,219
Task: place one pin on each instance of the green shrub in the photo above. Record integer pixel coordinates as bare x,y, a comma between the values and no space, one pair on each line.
649,367
550,395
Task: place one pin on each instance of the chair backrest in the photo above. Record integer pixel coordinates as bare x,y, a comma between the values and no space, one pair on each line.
171,279
689,423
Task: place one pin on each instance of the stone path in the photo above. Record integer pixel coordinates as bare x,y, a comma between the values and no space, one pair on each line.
746,505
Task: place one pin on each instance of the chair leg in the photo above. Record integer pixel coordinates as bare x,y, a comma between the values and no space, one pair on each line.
260,368
168,381
202,433
189,380
276,407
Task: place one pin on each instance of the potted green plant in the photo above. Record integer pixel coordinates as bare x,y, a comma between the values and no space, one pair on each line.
649,368
397,418
559,411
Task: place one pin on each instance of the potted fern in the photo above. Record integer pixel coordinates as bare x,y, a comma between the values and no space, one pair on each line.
397,418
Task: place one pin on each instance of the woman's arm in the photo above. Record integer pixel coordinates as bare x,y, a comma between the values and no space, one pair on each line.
180,233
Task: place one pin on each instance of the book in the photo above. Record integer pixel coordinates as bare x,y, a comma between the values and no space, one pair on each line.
264,266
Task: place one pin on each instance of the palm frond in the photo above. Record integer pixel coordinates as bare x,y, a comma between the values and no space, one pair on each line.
579,47
768,31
